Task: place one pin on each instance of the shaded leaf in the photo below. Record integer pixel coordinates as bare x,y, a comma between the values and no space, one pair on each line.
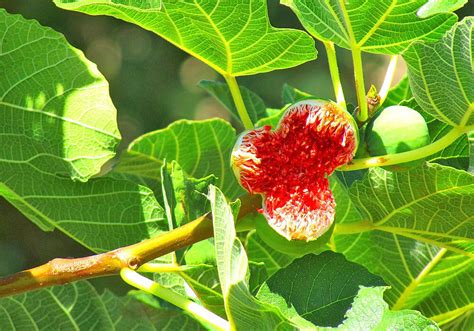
321,288
291,94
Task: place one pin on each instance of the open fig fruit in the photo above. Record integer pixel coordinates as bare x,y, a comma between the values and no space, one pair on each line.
290,166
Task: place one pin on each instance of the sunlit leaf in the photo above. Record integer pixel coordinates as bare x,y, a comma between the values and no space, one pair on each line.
57,122
440,6
422,247
243,310
374,26
78,306
201,148
442,75
234,38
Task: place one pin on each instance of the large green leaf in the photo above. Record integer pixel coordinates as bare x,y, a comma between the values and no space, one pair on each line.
56,116
442,75
243,310
409,215
102,214
431,203
254,104
371,312
374,26
78,306
234,38
321,288
440,6
57,121
201,148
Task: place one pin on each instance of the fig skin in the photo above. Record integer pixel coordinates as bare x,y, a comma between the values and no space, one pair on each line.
397,129
296,248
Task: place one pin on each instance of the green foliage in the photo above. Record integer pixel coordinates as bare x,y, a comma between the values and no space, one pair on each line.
440,6
414,230
201,148
417,235
243,310
442,77
235,39
78,306
53,105
374,26
296,248
321,288
370,311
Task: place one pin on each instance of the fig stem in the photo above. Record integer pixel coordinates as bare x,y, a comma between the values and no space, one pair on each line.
334,70
387,82
419,153
161,267
239,102
362,114
134,279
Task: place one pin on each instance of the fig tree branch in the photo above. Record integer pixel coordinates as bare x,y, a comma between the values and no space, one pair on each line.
61,271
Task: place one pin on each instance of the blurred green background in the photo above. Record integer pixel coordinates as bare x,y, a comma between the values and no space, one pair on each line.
152,84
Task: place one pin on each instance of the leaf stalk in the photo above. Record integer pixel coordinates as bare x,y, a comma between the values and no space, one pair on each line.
334,70
362,114
134,279
239,101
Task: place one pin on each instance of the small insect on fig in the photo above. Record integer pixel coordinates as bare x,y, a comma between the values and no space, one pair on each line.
290,165
397,129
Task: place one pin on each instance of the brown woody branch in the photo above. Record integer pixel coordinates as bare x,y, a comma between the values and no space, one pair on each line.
61,271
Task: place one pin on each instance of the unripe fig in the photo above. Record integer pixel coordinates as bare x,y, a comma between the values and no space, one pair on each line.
397,129
289,166
293,247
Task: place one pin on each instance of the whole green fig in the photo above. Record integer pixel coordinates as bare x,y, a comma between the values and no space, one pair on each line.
394,130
